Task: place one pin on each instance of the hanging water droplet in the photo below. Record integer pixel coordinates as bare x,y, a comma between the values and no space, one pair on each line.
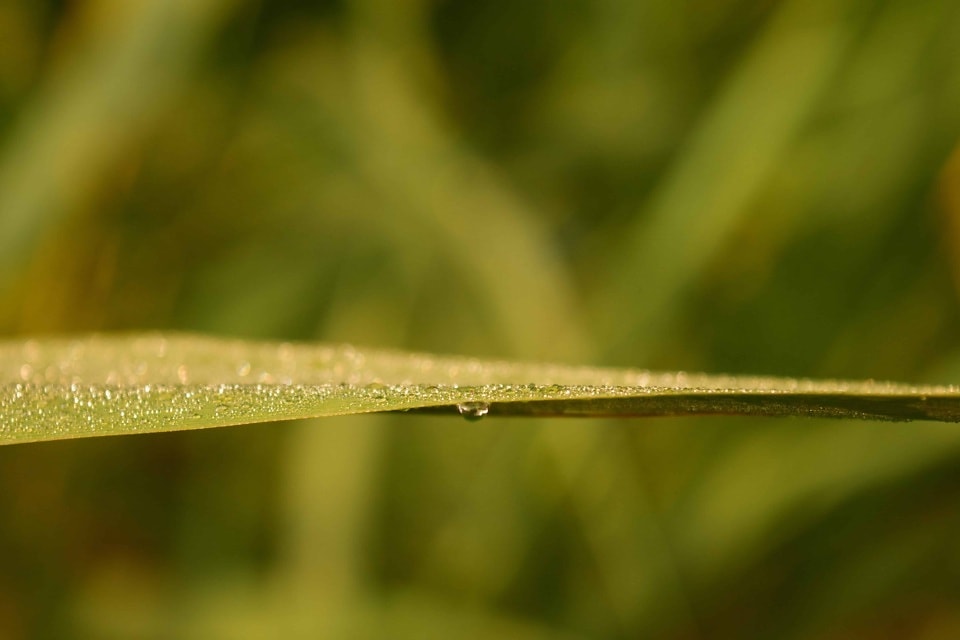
473,410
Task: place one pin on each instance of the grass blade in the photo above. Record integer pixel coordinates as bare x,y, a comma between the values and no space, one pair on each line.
107,385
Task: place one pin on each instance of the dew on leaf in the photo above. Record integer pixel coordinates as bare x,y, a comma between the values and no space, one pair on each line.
52,388
473,410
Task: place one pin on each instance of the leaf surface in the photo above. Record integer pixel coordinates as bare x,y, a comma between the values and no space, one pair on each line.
108,385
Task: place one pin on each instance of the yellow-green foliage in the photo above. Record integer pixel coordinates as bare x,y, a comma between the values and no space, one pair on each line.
102,385
756,187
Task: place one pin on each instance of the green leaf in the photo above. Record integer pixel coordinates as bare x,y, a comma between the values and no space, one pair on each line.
105,385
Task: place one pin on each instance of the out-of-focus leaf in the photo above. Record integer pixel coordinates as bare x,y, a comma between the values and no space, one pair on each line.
101,385
705,197
91,112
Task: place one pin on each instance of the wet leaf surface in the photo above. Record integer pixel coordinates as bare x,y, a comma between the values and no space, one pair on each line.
106,385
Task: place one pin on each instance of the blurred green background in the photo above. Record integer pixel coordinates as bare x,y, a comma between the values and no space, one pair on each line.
740,186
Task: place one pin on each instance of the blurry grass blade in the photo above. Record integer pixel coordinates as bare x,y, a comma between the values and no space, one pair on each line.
707,194
408,152
102,385
89,113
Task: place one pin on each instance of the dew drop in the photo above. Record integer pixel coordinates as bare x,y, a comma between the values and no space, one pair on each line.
473,410
377,390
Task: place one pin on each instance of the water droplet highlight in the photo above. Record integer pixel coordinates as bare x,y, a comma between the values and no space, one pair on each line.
473,410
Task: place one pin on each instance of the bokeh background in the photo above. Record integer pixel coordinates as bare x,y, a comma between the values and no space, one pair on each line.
739,186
